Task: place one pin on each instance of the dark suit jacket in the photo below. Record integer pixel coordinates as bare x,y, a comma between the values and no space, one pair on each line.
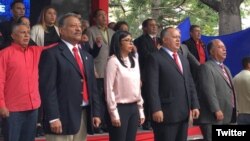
5,29
192,48
145,46
1,40
168,89
93,51
61,87
137,40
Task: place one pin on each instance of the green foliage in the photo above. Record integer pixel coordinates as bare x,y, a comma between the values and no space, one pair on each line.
172,12
204,16
245,9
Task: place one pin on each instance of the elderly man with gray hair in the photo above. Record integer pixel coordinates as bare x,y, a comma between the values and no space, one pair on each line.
19,94
215,91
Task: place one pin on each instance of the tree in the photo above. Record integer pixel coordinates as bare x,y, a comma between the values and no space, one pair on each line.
172,12
229,14
166,12
156,12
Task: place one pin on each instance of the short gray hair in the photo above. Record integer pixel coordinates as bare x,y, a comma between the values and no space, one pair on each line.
15,26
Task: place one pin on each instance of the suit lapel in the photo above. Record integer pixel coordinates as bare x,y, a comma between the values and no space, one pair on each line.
150,40
84,61
69,56
150,43
171,60
217,68
229,77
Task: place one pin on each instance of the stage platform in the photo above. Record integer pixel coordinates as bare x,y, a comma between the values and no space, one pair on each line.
194,134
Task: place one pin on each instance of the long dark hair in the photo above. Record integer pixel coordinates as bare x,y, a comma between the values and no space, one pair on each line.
115,47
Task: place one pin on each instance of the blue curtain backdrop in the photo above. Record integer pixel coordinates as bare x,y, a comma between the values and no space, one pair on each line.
237,44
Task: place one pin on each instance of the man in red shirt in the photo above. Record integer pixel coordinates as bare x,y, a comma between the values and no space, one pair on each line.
19,93
196,47
195,44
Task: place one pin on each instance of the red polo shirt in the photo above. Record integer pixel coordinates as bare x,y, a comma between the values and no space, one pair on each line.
19,78
201,51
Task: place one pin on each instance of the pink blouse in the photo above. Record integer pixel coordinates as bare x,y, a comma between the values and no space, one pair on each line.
122,85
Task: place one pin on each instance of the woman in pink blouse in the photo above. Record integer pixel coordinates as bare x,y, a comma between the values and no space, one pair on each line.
122,87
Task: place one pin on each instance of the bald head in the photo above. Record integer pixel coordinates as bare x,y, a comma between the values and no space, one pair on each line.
217,50
171,38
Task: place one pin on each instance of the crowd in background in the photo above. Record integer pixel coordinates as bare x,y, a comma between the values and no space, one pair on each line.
64,79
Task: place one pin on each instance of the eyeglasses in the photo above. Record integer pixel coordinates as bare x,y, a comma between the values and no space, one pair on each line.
128,40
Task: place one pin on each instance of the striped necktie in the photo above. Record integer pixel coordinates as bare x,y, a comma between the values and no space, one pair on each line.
225,73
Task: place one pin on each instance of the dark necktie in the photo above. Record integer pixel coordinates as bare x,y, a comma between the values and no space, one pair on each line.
155,41
175,56
81,67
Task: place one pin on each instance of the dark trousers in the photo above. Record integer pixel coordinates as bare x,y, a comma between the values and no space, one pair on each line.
20,126
243,119
146,107
129,116
206,130
171,131
100,88
40,115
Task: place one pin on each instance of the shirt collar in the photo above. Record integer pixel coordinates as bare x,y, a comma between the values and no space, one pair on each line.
152,36
218,63
69,45
168,51
18,47
102,28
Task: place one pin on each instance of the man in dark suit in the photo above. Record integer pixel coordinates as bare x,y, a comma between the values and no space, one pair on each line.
170,89
146,44
144,31
86,46
68,86
215,91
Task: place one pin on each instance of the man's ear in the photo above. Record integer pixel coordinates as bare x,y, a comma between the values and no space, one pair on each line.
164,39
211,51
12,35
248,66
60,30
190,33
